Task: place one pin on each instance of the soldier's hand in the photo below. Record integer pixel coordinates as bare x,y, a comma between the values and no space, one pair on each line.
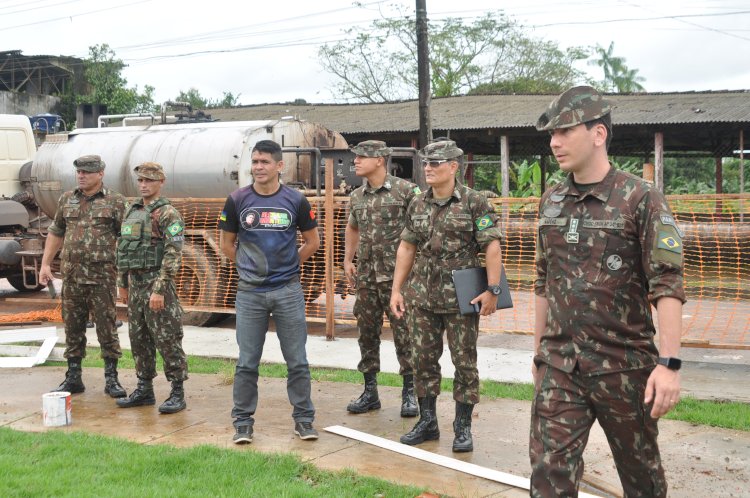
663,388
488,302
351,273
45,274
156,302
123,293
397,304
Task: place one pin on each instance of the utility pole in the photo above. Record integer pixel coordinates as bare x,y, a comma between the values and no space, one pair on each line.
423,75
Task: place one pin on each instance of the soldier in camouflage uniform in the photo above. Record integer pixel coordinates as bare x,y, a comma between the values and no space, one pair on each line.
608,248
86,227
377,217
447,227
148,258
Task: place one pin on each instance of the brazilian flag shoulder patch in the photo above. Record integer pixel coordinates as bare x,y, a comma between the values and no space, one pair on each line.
175,228
484,222
416,190
126,230
223,216
669,242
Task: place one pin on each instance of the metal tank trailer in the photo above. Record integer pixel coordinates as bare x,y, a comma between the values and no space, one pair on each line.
204,162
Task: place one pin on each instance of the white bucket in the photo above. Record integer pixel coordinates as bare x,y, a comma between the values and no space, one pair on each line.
56,409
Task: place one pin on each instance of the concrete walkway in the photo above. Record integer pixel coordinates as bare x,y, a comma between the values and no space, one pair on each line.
706,374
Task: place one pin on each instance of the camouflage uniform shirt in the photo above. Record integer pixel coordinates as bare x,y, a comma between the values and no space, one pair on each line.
167,226
449,234
380,215
602,257
90,227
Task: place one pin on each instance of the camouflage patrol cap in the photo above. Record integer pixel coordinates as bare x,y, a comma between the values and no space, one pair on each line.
92,163
372,148
442,150
576,105
152,171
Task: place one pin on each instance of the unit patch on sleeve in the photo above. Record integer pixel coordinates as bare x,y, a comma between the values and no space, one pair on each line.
175,228
669,242
483,223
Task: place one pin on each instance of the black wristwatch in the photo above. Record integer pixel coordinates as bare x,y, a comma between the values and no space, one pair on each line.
670,363
495,289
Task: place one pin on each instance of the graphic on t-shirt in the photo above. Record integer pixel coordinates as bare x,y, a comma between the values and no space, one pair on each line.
271,218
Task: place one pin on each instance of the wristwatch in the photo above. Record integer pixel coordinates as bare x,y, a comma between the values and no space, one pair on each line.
670,363
495,289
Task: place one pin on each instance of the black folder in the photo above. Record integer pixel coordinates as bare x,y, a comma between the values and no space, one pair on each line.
471,282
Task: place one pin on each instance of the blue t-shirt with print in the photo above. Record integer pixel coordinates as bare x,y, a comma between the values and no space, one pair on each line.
266,228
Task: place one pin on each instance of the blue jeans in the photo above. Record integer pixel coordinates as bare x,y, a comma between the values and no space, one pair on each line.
287,304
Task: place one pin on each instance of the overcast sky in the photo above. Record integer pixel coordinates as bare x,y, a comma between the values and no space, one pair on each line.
267,51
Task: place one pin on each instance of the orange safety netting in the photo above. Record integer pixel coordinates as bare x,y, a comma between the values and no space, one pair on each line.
717,266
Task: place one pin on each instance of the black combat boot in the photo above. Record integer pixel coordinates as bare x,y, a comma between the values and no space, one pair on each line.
142,395
408,400
463,443
427,428
111,383
368,400
176,401
73,382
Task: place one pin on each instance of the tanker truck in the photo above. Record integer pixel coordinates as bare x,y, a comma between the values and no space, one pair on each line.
20,218
204,162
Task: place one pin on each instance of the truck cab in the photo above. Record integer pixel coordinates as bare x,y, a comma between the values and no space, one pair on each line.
17,149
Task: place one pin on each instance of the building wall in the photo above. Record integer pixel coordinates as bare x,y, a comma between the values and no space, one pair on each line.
28,104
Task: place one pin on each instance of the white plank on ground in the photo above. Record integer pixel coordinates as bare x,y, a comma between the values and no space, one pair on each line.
451,463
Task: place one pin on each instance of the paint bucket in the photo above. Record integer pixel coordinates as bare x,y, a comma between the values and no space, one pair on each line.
56,409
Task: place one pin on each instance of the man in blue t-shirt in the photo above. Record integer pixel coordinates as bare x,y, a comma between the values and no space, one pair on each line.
259,234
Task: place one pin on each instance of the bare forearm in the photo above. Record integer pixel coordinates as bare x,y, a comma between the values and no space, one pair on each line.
404,262
493,262
228,246
310,244
351,241
51,247
669,316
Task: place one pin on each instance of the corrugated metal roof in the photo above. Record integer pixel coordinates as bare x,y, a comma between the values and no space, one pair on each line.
503,111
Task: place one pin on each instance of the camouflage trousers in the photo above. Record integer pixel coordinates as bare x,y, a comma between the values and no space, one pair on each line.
369,308
77,301
151,330
427,333
562,413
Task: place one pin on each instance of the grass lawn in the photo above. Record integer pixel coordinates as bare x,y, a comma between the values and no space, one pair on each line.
78,464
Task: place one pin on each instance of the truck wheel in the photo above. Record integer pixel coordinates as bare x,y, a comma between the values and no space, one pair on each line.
198,283
17,282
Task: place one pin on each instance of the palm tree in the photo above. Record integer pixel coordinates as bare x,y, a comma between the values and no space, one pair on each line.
617,76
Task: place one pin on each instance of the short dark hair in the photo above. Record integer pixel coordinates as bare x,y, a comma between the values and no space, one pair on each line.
605,120
268,147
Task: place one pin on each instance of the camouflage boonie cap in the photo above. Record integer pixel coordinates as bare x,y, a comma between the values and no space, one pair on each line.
576,105
372,148
443,150
152,171
91,163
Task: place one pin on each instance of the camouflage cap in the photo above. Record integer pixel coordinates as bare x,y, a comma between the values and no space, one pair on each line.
443,149
576,105
152,171
372,148
92,163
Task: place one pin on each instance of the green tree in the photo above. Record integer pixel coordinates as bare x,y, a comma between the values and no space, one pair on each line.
103,73
197,101
378,63
618,77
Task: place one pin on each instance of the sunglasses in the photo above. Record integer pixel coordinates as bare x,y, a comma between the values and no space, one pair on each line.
434,163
